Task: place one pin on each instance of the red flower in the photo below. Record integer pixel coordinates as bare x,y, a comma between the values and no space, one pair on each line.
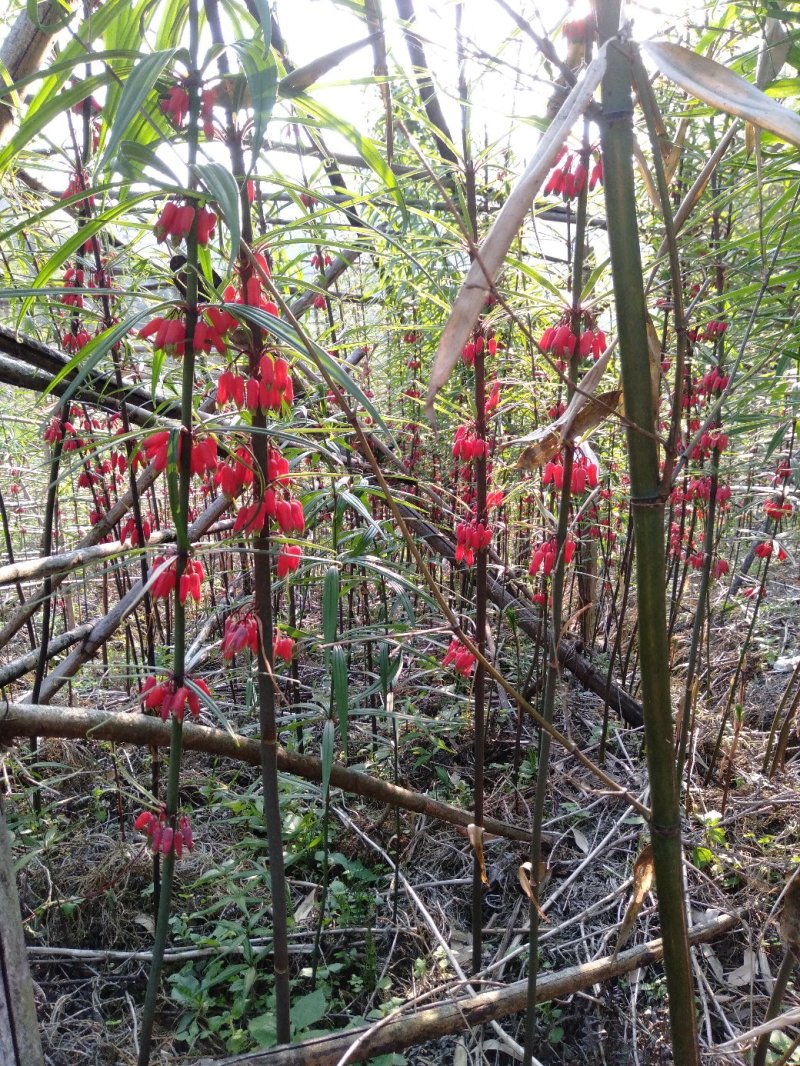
239,635
175,104
462,660
164,579
289,559
282,648
720,568
191,580
777,509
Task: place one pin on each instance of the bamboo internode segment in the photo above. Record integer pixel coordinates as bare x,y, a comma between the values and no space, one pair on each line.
29,720
459,1014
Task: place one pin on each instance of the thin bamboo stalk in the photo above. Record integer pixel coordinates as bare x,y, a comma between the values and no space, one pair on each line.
647,502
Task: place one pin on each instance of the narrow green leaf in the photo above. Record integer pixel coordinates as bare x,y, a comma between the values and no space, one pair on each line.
340,696
265,20
138,85
89,356
775,441
133,158
365,146
304,77
219,182
261,72
327,755
285,333
330,605
35,123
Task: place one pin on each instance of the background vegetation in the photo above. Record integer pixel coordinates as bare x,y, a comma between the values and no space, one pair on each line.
364,643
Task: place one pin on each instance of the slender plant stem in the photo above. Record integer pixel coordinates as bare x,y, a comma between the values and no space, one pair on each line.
181,528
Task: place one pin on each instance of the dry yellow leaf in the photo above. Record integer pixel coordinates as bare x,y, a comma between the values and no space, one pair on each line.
643,873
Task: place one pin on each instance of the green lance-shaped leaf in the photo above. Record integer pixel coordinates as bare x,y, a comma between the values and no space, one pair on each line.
327,755
286,334
35,123
494,249
304,77
340,699
261,72
719,87
330,605
365,146
138,85
220,183
85,360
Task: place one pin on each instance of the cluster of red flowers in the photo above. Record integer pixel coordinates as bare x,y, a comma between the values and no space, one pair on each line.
778,509
467,446
699,488
477,345
166,579
282,648
270,388
461,659
575,30
203,451
78,183
714,382
561,342
238,635
175,105
319,262
129,530
170,699
584,473
176,220
242,634
471,536
289,558
546,553
162,836
568,176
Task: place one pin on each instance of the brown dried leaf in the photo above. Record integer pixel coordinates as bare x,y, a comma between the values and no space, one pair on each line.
475,834
304,77
549,441
493,250
654,354
714,84
643,873
530,888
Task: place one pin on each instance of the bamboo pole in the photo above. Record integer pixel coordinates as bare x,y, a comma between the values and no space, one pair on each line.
647,506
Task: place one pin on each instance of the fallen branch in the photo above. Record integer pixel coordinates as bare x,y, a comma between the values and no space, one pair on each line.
83,723
24,664
397,1032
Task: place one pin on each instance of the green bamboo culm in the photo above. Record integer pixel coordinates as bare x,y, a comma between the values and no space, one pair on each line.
647,505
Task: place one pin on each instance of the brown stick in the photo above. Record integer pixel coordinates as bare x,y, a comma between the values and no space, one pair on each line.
26,720
19,667
396,1033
